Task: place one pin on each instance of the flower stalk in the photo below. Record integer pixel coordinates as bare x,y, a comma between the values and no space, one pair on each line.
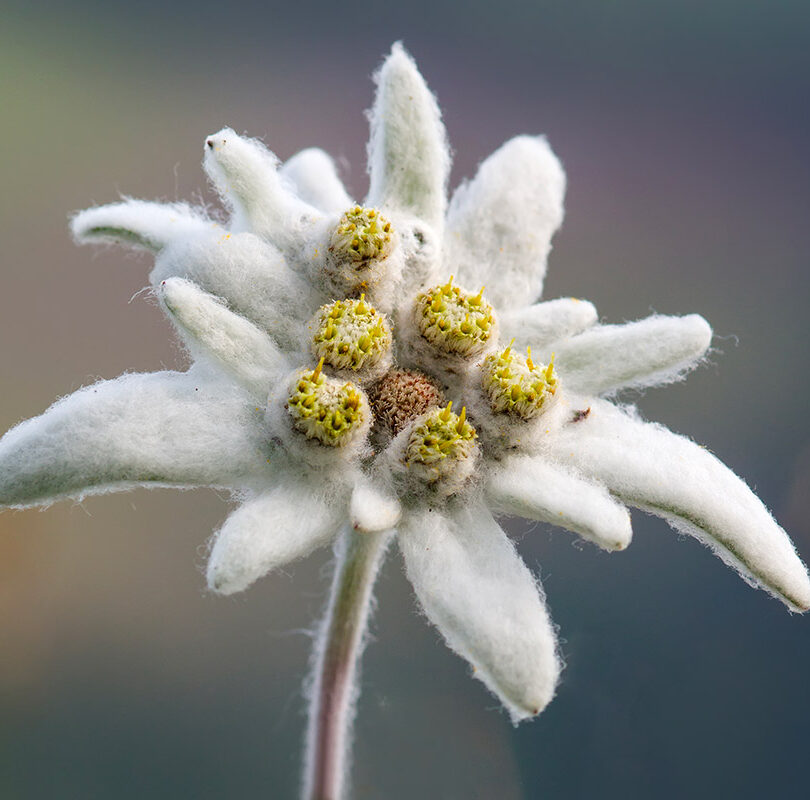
338,648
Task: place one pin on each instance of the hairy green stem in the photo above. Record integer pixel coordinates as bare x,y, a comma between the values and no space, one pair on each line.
338,648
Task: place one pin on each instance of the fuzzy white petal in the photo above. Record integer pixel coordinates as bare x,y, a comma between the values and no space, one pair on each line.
649,352
485,602
648,466
138,223
537,489
408,154
158,429
245,173
500,224
250,274
233,342
313,175
372,508
543,323
270,530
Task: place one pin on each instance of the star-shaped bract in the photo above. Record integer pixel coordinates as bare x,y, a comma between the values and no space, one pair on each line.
242,296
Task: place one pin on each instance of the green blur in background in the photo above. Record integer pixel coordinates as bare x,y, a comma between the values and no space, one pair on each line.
684,130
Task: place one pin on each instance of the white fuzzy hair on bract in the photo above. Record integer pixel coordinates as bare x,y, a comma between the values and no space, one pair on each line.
241,295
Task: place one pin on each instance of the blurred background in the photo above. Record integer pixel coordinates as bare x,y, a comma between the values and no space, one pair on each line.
683,127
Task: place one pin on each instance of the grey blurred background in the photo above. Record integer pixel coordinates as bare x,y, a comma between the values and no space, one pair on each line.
683,127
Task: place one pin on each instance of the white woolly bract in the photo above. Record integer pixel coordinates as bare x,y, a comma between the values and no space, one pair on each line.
536,489
373,507
500,224
648,466
543,323
477,591
138,223
253,277
158,429
408,154
233,342
419,249
245,174
313,176
272,529
649,352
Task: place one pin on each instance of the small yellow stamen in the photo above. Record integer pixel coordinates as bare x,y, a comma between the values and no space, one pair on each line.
461,418
476,301
316,373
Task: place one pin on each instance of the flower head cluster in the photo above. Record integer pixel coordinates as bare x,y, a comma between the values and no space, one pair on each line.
441,443
454,321
352,335
516,385
327,410
332,343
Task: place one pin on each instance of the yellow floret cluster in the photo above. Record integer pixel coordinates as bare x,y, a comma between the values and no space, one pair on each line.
516,385
455,321
350,334
362,235
439,441
331,411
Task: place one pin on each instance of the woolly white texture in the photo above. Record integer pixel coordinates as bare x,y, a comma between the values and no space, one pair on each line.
245,174
539,490
137,223
269,530
236,344
652,468
372,508
408,154
251,275
500,224
649,352
314,179
160,429
543,323
242,295
478,592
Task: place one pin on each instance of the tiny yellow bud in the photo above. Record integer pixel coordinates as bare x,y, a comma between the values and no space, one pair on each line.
317,372
446,412
461,418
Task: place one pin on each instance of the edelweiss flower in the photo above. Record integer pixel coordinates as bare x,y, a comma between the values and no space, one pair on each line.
350,372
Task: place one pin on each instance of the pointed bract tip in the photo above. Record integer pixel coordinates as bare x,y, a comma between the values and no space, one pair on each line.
215,141
223,584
